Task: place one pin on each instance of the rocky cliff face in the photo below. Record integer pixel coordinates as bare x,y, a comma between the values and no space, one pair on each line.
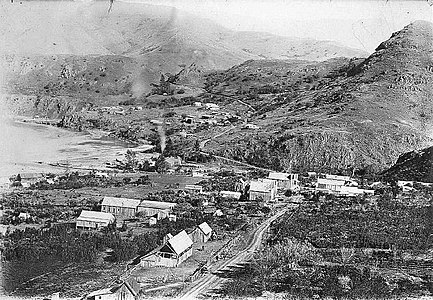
416,165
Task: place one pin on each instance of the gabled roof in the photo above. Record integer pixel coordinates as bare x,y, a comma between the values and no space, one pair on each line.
330,181
121,202
99,292
279,176
205,228
259,186
87,215
157,204
180,242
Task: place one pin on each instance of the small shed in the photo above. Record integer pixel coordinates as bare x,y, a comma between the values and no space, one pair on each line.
173,161
24,216
230,194
194,188
202,233
152,221
4,230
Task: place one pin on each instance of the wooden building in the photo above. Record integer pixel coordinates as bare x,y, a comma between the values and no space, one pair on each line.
175,251
158,209
262,190
201,234
94,220
329,185
127,290
285,181
120,207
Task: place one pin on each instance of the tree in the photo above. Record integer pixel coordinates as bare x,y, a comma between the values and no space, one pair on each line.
161,165
131,160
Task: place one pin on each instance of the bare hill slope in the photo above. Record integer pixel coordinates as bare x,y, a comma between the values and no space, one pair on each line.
154,39
338,114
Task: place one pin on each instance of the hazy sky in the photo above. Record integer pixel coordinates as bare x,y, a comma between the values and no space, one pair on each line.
359,24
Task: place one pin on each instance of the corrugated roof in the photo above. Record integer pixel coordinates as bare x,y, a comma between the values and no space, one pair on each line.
258,186
121,202
157,204
87,215
180,242
205,228
279,176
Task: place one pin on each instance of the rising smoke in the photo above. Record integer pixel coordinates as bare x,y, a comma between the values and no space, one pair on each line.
161,132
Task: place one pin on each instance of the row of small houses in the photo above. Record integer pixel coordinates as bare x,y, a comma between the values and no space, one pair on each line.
113,208
266,189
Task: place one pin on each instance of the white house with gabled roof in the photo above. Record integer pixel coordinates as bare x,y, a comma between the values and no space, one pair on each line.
175,251
202,233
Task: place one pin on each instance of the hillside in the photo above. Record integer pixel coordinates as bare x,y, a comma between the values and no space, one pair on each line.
335,115
416,165
41,38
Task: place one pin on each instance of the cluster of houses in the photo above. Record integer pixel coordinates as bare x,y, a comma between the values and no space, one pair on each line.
266,189
176,249
118,110
115,208
213,118
209,106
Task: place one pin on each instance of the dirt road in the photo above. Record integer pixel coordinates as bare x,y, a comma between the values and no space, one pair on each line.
212,280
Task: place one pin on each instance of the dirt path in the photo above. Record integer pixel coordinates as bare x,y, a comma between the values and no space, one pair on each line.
203,143
212,280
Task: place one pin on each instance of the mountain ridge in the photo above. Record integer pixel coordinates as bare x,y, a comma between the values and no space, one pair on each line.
331,124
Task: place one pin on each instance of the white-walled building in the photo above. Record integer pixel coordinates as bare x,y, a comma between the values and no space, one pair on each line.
264,190
94,220
285,181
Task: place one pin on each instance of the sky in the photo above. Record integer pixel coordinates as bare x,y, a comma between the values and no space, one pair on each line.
362,24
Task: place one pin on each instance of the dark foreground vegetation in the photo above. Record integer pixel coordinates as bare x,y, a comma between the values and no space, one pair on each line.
70,245
340,248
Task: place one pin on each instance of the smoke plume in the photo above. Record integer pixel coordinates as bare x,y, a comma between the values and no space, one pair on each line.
161,132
